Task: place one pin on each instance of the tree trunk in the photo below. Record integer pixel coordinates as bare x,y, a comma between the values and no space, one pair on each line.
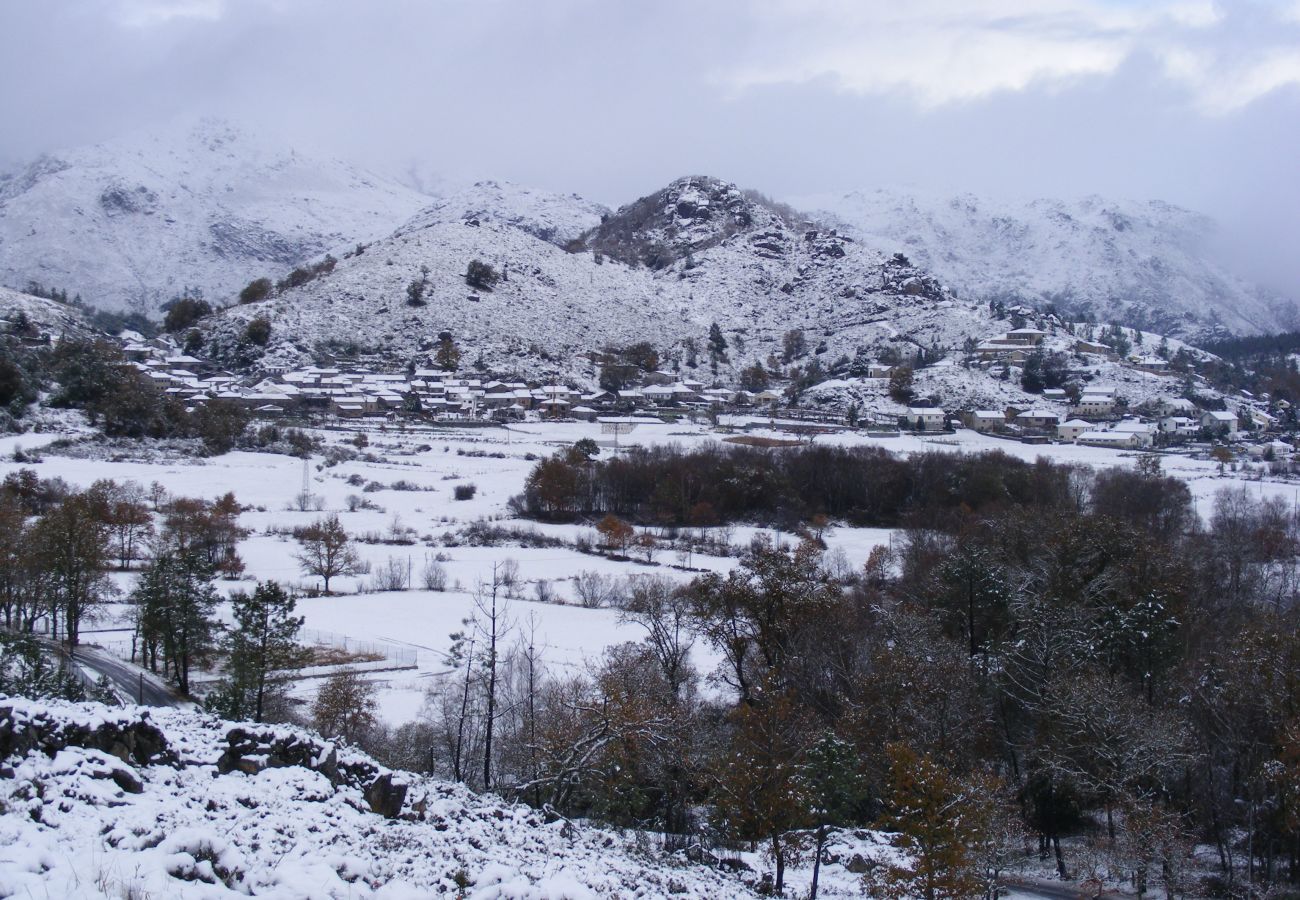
779,858
817,861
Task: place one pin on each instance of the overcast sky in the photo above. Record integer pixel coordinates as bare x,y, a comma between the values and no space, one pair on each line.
1194,102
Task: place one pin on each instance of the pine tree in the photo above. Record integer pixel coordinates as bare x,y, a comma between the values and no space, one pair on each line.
717,343
261,646
176,603
447,356
835,790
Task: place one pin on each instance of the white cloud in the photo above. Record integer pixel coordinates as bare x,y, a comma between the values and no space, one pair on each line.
946,51
149,13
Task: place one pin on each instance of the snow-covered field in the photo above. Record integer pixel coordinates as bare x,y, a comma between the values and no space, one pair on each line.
418,623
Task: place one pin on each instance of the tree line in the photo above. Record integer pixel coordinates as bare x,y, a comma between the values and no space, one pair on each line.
863,486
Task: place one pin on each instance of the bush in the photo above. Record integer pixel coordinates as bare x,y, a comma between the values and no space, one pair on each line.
257,290
481,275
258,331
434,575
184,312
465,491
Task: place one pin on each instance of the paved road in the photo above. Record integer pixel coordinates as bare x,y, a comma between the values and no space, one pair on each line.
1050,890
148,690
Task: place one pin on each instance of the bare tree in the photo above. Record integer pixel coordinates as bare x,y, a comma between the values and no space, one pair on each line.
491,624
345,707
327,550
664,611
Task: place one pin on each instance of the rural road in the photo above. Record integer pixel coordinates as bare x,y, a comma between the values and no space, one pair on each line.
1049,890
148,690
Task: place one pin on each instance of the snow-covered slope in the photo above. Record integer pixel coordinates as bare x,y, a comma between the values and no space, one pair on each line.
43,317
662,270
202,204
1145,264
105,803
554,218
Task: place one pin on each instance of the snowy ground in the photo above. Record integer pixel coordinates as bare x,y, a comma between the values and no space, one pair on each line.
439,459
81,824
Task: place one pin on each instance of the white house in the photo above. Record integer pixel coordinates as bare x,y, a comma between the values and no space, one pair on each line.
1120,439
985,420
1038,418
1179,426
1071,429
1143,432
925,418
1217,420
1095,404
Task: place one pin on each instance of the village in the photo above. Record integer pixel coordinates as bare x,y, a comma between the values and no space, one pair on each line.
1086,411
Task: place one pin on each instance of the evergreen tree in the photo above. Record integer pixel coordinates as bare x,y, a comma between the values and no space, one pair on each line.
717,343
447,356
261,645
176,603
835,790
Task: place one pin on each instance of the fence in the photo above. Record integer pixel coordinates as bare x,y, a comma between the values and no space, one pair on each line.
403,656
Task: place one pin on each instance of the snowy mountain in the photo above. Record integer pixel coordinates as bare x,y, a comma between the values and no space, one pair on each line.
1145,264
132,222
661,269
97,802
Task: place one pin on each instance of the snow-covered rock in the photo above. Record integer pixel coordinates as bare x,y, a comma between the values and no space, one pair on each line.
1146,264
201,204
78,819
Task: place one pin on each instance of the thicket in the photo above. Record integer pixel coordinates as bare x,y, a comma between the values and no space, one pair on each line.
866,486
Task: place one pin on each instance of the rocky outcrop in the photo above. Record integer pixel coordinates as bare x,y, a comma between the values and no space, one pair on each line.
130,738
251,751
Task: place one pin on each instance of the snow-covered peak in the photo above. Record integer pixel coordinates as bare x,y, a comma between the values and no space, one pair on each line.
1144,263
555,218
690,215
201,204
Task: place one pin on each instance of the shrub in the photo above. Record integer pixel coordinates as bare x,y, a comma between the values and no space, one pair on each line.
465,491
256,290
184,312
434,575
481,275
258,331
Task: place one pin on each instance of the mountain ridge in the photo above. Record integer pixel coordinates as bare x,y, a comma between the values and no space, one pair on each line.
200,206
1145,264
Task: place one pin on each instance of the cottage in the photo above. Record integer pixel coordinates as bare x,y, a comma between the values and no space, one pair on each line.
1143,432
1026,337
1094,404
1220,422
1117,439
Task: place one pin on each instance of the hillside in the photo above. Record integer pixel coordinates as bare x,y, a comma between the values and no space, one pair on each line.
106,803
130,223
44,317
1145,264
662,269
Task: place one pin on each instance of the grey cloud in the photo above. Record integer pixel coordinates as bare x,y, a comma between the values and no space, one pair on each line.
612,99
